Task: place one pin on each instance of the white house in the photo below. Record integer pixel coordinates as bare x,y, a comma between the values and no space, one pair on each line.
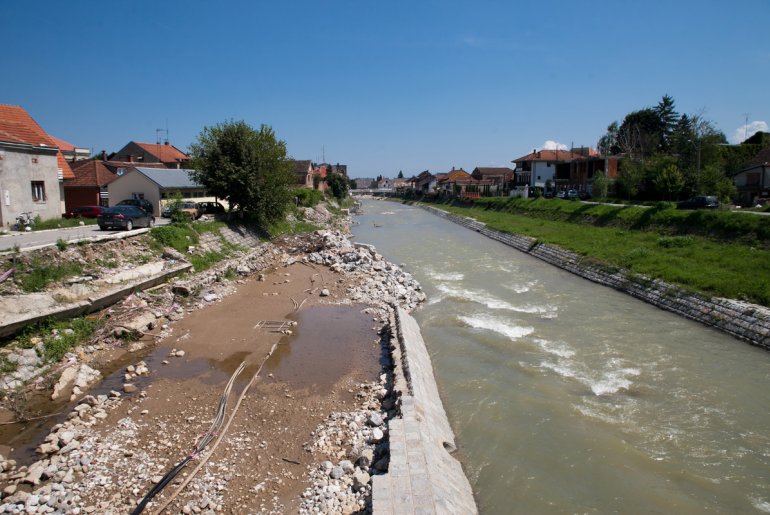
156,185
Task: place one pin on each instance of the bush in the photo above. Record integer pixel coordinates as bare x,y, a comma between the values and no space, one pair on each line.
307,197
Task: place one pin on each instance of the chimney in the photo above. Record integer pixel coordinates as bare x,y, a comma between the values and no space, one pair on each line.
166,143
104,155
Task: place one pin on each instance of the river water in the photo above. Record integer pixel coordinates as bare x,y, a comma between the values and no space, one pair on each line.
569,397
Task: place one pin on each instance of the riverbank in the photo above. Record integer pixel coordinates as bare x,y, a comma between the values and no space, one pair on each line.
715,254
743,320
310,436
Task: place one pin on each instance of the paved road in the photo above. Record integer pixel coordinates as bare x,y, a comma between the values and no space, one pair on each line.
26,240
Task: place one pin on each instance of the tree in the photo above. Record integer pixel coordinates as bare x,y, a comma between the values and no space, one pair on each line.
630,177
600,184
338,185
669,182
247,168
400,174
668,118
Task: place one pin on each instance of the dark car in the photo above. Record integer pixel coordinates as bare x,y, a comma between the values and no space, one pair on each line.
138,202
124,217
699,202
584,195
212,208
84,212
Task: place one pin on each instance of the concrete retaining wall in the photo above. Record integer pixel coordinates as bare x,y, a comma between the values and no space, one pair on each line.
743,320
422,476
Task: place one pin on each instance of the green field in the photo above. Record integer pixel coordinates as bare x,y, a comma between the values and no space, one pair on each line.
718,253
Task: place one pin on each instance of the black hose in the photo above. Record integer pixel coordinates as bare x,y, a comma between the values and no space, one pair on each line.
170,475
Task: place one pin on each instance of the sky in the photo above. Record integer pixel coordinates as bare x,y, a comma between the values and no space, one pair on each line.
383,86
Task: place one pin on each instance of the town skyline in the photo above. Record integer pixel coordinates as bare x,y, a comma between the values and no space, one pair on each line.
383,89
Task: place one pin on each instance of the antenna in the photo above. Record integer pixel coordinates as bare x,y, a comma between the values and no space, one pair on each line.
323,150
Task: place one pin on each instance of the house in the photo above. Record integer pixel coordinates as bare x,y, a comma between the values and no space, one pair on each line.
156,185
564,169
91,177
89,186
303,174
498,177
31,168
364,183
338,169
385,184
141,153
448,183
753,182
70,152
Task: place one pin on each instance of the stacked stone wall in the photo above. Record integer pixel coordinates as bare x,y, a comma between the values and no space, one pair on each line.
743,320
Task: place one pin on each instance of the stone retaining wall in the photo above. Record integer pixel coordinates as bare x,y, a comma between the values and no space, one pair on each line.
422,476
743,320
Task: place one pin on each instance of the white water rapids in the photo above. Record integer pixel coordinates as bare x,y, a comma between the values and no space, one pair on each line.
569,397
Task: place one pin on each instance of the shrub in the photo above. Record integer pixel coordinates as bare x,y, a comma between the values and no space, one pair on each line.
307,197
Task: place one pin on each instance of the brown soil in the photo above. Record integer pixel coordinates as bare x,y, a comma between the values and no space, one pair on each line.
314,372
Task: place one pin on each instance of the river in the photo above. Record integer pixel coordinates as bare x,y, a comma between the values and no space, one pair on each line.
569,397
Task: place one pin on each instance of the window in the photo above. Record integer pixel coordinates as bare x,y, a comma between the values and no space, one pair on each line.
38,191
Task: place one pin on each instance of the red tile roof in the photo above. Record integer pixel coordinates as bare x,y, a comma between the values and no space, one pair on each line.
164,153
549,155
91,172
63,145
17,126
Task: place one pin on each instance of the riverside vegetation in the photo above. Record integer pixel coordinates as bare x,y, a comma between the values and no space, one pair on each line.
718,253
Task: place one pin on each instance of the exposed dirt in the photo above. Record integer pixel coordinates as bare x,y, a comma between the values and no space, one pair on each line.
262,461
260,466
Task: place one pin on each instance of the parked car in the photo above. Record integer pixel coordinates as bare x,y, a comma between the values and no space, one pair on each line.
584,195
699,202
84,212
572,195
124,217
138,202
212,208
191,209
561,194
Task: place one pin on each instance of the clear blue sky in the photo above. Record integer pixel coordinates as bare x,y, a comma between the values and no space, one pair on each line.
382,86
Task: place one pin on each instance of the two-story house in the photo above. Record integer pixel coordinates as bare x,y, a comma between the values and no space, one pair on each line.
31,168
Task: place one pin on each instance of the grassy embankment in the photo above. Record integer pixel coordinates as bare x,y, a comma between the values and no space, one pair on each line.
716,253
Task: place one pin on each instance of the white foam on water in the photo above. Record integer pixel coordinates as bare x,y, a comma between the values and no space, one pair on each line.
614,381
444,276
491,301
388,213
519,288
559,348
496,325
762,505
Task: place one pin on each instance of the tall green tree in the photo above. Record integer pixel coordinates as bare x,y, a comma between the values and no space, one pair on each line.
338,185
400,174
248,168
667,119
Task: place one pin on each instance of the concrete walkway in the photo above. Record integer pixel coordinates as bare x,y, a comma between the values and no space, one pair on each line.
423,477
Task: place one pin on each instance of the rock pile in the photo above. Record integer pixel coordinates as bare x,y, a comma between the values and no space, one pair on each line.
67,456
379,282
356,445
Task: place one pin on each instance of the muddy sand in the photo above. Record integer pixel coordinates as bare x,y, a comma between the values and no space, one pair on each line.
262,463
